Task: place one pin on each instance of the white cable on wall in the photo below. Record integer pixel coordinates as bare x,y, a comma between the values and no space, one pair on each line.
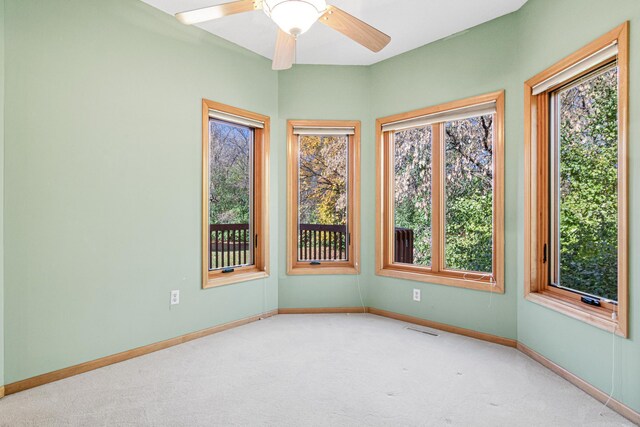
613,365
364,308
264,298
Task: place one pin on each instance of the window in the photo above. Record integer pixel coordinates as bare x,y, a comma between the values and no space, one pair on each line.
575,184
323,197
235,152
440,194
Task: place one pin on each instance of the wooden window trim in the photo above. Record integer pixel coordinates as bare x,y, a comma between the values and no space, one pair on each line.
352,266
260,267
437,274
536,133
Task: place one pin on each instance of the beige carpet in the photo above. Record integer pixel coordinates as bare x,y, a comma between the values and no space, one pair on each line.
298,370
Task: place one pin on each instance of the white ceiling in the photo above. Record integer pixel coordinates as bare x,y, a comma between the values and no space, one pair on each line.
410,23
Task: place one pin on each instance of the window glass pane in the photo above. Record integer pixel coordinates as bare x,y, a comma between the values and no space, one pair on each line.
587,190
412,196
230,194
322,198
469,194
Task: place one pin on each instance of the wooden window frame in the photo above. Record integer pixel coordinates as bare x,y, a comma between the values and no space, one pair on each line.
437,273
260,267
537,210
352,265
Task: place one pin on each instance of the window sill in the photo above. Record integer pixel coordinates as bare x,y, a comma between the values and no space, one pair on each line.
598,317
306,269
441,279
217,279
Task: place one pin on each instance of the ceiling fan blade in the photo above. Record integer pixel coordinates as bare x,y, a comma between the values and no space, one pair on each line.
214,12
355,29
285,51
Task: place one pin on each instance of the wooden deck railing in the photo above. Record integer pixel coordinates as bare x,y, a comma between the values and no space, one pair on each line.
230,244
319,242
403,247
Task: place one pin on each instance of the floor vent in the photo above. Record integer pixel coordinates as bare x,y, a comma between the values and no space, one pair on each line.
422,331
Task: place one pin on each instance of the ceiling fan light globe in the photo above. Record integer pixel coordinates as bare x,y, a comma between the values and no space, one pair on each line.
294,17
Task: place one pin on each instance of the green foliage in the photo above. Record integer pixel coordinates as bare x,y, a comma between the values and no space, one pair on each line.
469,232
322,195
229,173
468,213
412,188
322,180
469,194
588,186
407,216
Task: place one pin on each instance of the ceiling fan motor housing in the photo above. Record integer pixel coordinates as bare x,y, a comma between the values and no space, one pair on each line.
294,16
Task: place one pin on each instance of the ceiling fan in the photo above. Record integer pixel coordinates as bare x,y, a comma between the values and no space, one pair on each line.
294,17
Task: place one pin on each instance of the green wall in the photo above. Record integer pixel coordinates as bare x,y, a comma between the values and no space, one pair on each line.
550,30
103,186
337,93
102,190
472,63
502,54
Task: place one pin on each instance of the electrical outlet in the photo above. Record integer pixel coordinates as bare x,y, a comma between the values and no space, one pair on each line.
175,297
416,295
